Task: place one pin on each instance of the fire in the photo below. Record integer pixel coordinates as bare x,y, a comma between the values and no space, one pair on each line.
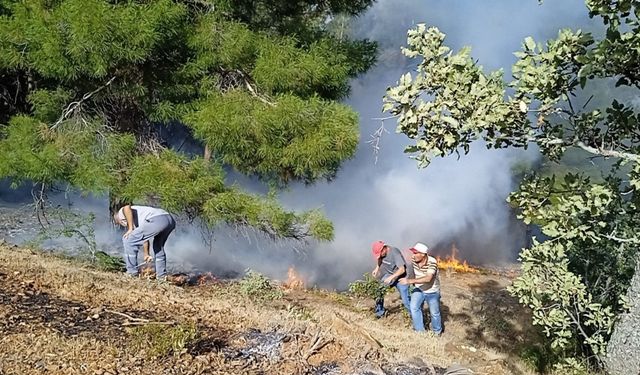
450,263
294,280
205,278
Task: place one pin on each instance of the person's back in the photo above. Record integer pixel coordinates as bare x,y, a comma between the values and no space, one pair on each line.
142,214
392,261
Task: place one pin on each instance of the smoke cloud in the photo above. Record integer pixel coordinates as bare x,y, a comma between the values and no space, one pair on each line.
459,201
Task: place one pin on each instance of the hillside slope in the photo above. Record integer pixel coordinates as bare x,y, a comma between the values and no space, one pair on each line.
61,317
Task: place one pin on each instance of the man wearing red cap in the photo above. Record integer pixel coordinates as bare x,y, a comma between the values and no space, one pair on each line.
427,282
390,267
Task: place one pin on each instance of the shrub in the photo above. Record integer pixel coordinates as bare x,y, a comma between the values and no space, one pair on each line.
368,287
259,288
159,340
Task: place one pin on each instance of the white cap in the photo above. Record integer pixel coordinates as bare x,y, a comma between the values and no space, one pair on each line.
419,247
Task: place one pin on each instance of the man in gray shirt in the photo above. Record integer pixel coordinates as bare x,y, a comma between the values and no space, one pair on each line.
390,267
145,223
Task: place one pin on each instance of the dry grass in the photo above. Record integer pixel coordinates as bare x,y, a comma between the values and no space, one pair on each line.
343,330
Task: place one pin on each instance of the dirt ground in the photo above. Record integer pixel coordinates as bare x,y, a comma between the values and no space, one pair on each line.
60,317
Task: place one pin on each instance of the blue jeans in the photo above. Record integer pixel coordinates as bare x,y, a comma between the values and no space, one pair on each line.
157,229
404,295
418,297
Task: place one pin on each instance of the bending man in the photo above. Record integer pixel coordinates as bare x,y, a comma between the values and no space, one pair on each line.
390,267
145,223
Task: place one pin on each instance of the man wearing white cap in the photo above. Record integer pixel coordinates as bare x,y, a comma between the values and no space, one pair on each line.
427,288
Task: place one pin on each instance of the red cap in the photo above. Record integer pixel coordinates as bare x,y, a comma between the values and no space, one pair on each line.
376,248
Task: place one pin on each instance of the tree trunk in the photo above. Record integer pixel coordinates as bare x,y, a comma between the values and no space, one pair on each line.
623,350
207,153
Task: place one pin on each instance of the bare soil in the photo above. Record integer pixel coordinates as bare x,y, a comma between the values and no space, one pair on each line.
61,317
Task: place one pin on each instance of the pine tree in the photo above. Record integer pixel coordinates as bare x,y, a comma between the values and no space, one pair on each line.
85,83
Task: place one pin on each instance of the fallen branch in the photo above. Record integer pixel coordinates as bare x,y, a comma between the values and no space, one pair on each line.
360,330
131,318
317,345
169,323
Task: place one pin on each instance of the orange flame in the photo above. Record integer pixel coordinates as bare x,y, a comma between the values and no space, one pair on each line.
205,278
450,263
294,280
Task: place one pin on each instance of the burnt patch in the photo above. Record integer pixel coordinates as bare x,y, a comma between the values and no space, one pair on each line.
325,368
23,308
206,345
255,345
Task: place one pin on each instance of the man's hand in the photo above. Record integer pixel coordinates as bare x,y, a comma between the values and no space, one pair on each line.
148,258
375,272
389,279
127,233
403,281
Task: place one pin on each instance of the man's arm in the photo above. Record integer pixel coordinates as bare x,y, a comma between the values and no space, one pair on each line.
128,214
145,248
377,269
421,280
399,262
394,276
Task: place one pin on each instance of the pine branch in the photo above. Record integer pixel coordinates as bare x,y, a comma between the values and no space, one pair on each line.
71,108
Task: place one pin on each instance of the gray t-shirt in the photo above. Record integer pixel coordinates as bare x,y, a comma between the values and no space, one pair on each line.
392,261
141,214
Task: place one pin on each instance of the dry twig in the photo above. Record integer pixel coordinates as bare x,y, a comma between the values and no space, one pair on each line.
131,318
375,140
71,108
318,344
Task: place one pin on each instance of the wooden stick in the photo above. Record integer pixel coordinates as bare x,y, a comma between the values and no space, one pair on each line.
127,316
148,322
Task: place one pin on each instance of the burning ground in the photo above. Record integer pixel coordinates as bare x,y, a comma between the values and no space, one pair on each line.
61,317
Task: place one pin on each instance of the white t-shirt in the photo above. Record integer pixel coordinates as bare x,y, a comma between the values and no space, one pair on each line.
142,213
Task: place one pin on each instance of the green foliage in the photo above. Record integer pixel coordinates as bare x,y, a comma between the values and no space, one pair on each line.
295,139
574,280
284,68
87,81
368,287
158,340
191,181
76,38
539,357
559,299
109,263
24,154
259,288
49,104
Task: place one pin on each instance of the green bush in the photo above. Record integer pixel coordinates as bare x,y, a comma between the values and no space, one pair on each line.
368,287
109,263
159,340
259,288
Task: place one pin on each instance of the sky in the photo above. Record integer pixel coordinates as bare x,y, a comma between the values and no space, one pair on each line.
453,201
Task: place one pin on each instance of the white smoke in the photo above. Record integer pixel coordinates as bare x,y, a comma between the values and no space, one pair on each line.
461,201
